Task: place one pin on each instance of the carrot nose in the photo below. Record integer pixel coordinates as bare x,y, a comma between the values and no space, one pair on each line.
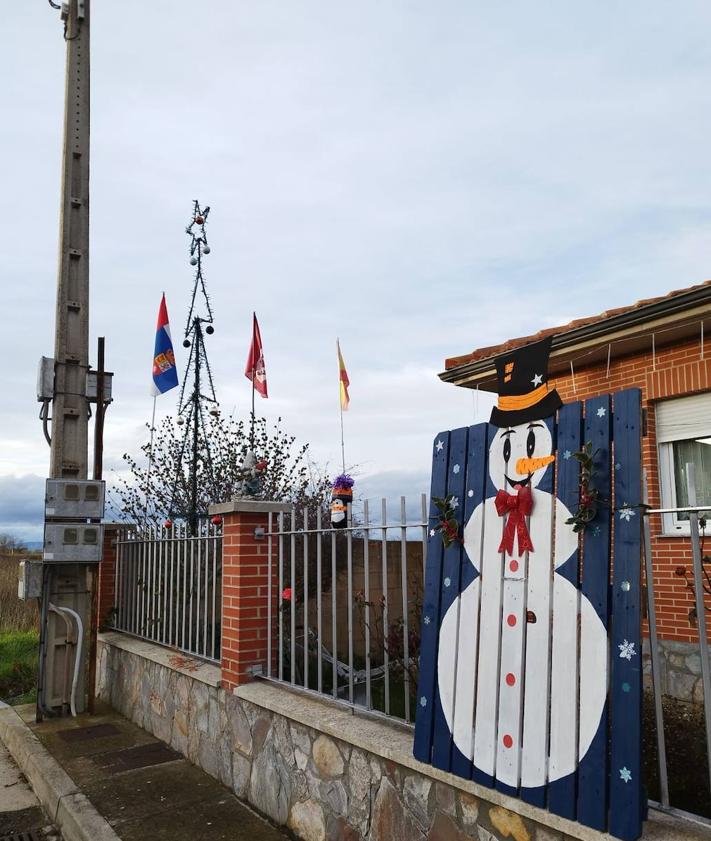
530,465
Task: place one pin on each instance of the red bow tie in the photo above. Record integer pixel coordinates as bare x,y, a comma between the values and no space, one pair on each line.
518,506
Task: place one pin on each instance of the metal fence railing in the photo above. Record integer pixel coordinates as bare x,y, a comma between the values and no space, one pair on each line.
168,586
674,756
348,606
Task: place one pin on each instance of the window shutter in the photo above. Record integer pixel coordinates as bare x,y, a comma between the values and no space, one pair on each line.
684,418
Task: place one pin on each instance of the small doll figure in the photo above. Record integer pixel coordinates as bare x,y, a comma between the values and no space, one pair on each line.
251,472
341,495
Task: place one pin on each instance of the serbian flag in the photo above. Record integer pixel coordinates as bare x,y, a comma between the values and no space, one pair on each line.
344,382
165,373
255,370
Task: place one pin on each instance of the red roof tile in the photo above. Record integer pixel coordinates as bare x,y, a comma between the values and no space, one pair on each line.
495,350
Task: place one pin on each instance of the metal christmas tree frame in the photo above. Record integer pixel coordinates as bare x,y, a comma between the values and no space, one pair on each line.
197,393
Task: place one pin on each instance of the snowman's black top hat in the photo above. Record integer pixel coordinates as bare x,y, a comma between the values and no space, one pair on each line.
524,395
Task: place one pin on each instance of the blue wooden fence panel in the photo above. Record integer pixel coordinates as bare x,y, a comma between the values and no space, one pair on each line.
449,584
562,793
625,818
593,770
424,718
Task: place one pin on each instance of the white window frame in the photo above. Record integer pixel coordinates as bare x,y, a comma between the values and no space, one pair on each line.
671,525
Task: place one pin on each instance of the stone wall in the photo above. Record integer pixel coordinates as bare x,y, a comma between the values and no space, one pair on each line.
680,668
308,764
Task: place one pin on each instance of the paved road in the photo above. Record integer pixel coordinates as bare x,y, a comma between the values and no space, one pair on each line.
19,808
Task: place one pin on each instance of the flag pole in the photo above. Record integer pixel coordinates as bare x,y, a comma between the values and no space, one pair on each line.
340,404
254,372
251,430
150,459
343,448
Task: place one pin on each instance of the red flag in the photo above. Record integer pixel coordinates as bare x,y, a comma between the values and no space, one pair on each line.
255,370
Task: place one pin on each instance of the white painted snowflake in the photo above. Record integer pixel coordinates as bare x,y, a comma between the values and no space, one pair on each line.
455,503
427,620
625,774
627,651
626,513
618,466
447,581
455,469
439,446
567,454
601,412
470,494
432,532
423,701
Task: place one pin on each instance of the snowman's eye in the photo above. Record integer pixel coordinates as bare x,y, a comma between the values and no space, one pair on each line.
530,443
507,450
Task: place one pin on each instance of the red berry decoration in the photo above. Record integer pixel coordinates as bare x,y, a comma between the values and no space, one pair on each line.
168,524
216,520
200,219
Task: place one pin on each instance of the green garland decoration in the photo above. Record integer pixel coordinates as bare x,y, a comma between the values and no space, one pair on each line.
447,522
589,499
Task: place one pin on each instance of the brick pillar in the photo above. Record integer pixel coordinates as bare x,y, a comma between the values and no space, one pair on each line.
245,588
107,572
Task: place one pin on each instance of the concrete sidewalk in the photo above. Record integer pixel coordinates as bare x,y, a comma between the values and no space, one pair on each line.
20,811
142,788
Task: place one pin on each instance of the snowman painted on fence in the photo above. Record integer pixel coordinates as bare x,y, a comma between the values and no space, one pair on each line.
508,658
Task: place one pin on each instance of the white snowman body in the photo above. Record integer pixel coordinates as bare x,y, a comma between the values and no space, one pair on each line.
508,658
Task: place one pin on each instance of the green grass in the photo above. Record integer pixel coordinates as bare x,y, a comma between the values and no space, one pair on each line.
18,666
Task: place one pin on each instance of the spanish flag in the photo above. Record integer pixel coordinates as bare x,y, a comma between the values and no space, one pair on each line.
344,382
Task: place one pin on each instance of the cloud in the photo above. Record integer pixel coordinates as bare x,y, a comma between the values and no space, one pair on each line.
22,506
418,179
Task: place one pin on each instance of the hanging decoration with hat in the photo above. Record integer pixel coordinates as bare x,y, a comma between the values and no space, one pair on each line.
341,497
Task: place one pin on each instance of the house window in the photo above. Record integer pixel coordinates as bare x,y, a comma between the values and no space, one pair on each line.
684,437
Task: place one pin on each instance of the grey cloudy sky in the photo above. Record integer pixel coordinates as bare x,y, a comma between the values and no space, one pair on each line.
419,178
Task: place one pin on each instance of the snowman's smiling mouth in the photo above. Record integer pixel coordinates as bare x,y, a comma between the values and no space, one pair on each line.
522,482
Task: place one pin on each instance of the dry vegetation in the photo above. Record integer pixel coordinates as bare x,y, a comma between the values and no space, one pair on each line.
15,615
19,628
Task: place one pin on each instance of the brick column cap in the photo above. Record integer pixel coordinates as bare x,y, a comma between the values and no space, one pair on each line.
249,506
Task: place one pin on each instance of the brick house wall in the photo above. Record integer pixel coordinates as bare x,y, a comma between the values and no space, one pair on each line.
674,371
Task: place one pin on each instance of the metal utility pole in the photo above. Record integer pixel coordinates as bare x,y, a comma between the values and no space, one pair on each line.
70,415
66,581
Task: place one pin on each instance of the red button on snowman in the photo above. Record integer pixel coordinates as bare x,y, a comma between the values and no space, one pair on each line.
508,658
